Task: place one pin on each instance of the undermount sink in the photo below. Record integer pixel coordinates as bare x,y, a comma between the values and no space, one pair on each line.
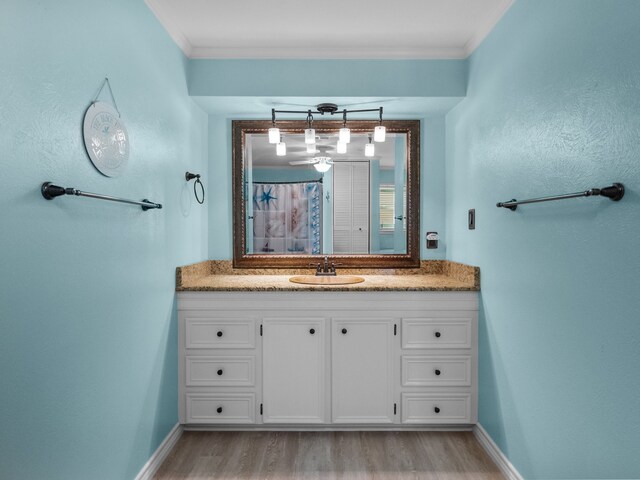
326,280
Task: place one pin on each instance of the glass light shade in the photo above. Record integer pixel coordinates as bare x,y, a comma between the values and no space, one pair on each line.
274,135
322,166
281,149
311,148
342,147
309,136
344,135
369,150
379,133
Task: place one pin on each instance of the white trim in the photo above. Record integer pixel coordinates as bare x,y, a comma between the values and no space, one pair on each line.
153,464
484,30
328,53
496,454
327,428
171,27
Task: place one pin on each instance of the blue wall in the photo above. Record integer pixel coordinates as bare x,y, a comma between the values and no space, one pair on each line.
553,106
88,345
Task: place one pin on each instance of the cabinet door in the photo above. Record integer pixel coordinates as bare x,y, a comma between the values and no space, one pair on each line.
362,366
293,370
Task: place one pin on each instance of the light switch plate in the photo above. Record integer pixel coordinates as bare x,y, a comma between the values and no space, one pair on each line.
472,219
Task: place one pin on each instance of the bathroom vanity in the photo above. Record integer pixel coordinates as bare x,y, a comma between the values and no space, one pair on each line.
396,351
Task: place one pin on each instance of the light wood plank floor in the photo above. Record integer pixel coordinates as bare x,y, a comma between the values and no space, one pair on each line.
328,455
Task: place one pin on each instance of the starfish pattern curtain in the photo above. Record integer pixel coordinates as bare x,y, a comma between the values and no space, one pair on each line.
287,218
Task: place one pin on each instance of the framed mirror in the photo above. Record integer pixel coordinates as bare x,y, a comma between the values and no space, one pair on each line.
297,202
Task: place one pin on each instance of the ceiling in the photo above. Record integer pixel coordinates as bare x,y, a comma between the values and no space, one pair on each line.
414,29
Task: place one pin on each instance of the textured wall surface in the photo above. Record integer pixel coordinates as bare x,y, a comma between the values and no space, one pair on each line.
553,107
88,347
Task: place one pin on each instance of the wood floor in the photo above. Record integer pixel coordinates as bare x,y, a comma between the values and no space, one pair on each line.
328,455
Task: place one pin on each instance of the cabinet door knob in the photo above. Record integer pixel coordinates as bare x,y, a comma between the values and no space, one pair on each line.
437,334
219,409
437,372
220,372
219,333
344,331
437,409
312,331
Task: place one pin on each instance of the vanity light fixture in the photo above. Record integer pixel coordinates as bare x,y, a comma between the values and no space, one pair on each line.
311,148
379,133
309,133
274,132
281,148
344,134
369,149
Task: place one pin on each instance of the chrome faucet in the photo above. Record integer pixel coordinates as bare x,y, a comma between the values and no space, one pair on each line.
326,269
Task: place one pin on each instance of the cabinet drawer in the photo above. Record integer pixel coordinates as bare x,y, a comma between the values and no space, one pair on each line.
430,371
220,371
436,408
219,333
436,333
220,408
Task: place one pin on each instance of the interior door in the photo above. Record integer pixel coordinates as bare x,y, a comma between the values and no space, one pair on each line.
351,207
293,370
362,371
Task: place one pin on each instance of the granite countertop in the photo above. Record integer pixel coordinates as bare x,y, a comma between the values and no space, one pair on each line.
432,275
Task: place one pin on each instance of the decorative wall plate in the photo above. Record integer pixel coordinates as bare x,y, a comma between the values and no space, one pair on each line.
106,139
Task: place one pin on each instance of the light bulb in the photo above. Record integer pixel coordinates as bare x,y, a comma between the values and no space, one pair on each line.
274,135
342,147
322,166
311,148
344,135
369,150
379,133
309,136
281,149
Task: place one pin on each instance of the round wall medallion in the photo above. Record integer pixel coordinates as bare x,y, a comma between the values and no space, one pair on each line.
106,139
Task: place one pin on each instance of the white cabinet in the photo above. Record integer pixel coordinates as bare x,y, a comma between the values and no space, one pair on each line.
293,370
362,370
316,359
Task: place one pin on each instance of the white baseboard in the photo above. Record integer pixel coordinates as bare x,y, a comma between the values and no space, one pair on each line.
153,464
496,454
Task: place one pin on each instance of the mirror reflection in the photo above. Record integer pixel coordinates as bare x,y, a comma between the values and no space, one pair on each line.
316,199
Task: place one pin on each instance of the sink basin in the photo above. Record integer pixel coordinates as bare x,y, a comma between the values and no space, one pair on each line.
337,280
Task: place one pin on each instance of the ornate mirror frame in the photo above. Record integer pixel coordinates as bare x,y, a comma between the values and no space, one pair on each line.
240,128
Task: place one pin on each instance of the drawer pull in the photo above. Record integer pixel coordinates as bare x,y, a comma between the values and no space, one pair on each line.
312,331
437,334
437,409
220,372
437,372
344,331
219,333
219,409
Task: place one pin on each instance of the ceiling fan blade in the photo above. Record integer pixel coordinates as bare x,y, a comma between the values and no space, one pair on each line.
308,161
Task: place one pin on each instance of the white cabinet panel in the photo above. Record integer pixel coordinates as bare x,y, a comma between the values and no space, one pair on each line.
219,333
436,332
219,371
362,371
426,370
293,370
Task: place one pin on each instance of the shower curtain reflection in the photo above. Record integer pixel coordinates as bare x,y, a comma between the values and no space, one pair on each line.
287,218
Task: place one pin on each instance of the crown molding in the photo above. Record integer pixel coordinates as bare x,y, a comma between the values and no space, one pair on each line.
171,27
486,28
327,53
